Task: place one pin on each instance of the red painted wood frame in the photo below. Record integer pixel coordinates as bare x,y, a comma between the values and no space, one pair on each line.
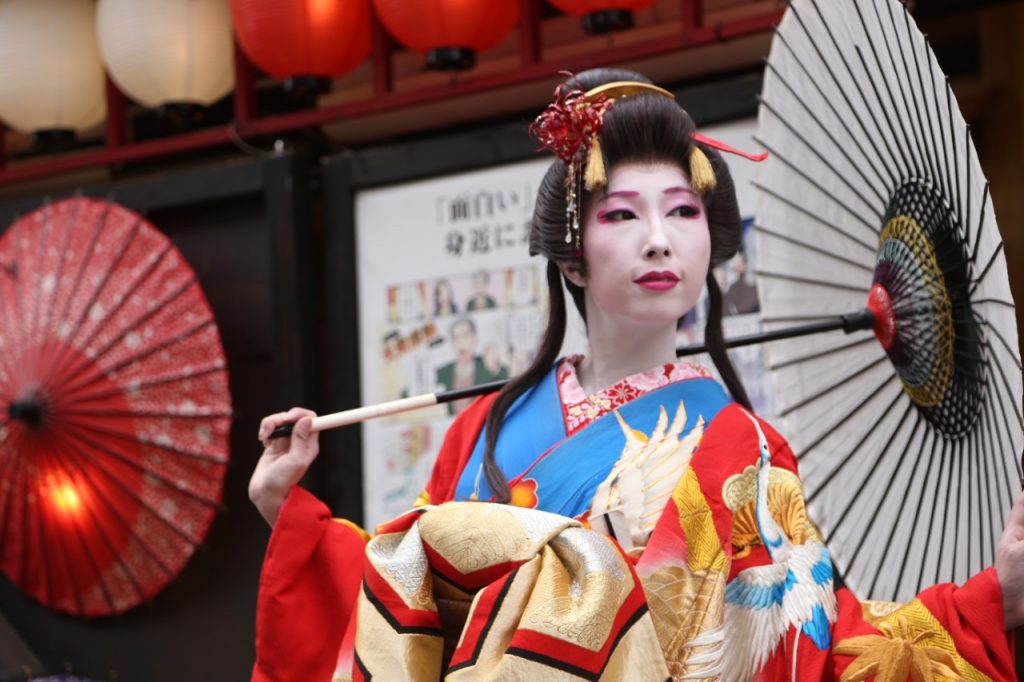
247,124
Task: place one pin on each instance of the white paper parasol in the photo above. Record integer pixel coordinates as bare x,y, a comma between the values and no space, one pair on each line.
908,440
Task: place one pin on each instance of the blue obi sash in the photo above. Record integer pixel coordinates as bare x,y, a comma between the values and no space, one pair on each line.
561,474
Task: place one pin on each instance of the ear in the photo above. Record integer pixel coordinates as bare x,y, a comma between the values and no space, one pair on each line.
573,274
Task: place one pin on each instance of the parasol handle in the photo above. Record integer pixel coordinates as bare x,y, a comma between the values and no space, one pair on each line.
416,402
861,320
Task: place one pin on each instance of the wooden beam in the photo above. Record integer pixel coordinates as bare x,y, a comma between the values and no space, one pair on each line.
382,73
529,31
245,87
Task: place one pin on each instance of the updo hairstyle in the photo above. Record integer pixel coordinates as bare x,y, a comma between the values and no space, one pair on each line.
645,128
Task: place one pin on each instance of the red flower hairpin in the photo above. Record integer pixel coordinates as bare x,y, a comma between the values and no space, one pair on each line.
570,122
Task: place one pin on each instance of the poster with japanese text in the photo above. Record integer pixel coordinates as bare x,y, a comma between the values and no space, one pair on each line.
450,298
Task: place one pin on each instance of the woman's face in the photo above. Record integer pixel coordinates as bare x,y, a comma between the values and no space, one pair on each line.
443,292
646,245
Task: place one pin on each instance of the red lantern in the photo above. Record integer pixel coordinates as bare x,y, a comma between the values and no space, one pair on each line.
450,32
305,42
603,16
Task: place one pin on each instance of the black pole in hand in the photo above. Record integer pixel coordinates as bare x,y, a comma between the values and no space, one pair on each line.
861,320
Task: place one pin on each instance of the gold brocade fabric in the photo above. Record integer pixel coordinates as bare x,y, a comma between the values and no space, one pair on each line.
474,591
911,637
733,584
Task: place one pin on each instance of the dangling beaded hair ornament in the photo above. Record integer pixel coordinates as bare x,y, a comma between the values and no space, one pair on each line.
570,128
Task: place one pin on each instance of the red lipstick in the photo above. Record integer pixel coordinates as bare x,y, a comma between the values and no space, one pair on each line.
657,280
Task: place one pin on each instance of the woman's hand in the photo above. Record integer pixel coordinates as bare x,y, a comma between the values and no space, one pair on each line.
284,460
1010,566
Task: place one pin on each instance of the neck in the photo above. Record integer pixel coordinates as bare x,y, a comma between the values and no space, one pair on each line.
618,351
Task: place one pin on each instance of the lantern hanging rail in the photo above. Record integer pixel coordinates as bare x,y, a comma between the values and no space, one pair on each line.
248,126
862,320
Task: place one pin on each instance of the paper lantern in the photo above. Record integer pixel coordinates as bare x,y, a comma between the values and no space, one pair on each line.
603,16
163,52
450,32
303,40
51,77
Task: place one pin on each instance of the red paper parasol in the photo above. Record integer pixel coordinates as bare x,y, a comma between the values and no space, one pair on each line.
114,408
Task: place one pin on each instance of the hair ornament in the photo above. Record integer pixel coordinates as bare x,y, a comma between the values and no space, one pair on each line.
595,175
702,175
723,147
570,128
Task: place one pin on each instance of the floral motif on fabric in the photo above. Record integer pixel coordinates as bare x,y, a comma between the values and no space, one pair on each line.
581,409
524,494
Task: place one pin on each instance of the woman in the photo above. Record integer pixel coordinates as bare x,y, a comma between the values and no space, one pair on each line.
715,572
444,299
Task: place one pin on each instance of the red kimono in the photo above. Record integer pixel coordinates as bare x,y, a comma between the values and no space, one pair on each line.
737,584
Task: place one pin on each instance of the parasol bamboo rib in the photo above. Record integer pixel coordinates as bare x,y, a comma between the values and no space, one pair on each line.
797,359
58,363
98,527
766,190
136,284
864,484
89,252
195,329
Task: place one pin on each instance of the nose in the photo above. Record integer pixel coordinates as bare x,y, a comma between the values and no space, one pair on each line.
657,240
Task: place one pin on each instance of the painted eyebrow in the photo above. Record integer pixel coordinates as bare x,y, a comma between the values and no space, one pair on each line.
679,190
625,194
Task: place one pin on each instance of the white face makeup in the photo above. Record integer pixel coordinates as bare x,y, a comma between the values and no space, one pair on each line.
647,246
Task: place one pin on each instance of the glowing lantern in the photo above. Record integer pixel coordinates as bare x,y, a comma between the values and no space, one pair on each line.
603,16
450,32
51,77
305,42
168,52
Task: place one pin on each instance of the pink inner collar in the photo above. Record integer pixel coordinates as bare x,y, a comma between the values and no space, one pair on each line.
579,409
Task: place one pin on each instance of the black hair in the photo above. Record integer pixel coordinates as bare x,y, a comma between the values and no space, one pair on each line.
642,128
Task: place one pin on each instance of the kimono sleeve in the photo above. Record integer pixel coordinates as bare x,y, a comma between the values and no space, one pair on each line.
956,627
308,589
313,569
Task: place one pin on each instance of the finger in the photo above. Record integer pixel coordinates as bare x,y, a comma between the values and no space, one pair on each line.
270,423
297,413
304,439
303,428
1016,515
1015,521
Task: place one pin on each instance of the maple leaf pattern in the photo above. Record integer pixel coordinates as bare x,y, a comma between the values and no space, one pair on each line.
895,656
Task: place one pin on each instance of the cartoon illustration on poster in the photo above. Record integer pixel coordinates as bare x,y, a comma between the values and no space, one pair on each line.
449,298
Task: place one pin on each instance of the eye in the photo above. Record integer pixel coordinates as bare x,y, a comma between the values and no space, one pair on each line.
685,211
618,215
